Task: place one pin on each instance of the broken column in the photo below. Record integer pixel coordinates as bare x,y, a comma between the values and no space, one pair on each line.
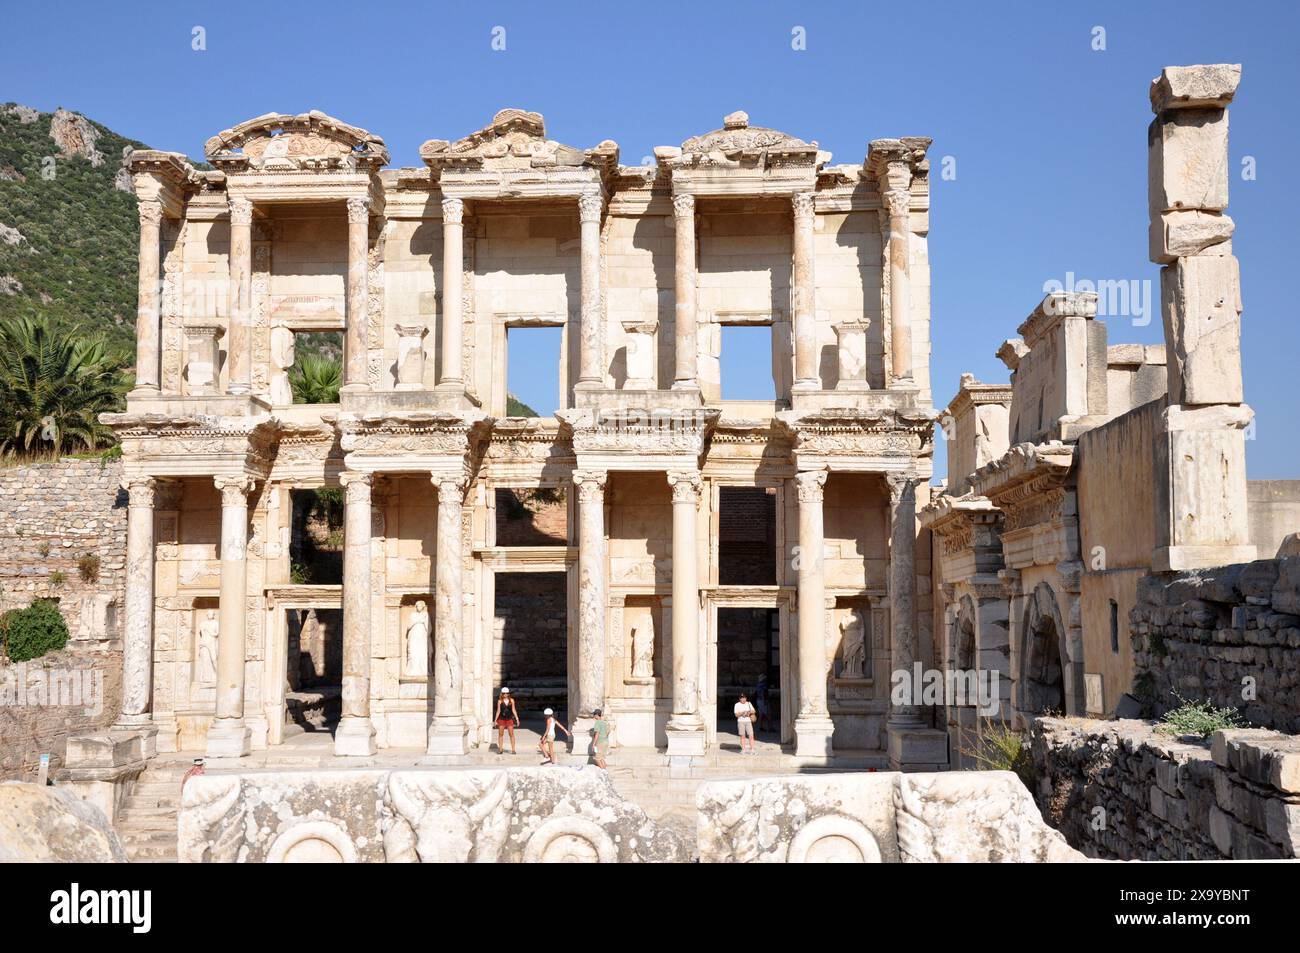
1202,443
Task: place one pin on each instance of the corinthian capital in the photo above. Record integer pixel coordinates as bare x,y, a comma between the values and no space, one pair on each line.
451,490
902,488
234,489
898,202
684,206
453,211
810,485
590,484
802,203
140,490
150,213
241,211
358,211
686,486
590,205
356,486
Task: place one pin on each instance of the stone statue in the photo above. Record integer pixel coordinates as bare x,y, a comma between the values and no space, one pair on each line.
206,661
643,652
415,661
853,646
282,358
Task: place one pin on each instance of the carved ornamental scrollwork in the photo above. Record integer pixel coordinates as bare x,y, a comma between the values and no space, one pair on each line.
451,490
141,491
234,489
453,211
357,487
358,211
590,485
898,202
902,488
684,207
241,211
590,206
802,204
686,486
810,485
150,213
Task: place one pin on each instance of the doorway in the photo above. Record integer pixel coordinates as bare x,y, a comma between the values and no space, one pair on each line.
749,661
530,644
313,698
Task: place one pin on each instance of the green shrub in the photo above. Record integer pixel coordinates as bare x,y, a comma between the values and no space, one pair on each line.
58,577
88,567
1198,718
31,632
997,747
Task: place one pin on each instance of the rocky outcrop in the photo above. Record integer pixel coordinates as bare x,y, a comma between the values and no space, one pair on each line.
24,114
52,825
10,235
429,816
75,136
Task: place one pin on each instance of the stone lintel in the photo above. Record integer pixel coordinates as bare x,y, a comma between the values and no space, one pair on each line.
1055,307
1195,87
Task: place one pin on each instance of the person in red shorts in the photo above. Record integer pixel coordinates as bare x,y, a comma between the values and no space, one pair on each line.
507,718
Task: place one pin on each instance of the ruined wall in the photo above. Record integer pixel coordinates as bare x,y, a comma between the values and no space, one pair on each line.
1273,507
1230,635
1119,790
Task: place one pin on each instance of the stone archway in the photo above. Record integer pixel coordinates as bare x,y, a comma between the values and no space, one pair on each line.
1042,654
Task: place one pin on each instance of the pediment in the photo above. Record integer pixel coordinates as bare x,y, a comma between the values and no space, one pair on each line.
738,143
284,142
515,140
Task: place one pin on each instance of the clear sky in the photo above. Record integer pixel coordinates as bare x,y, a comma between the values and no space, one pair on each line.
1047,135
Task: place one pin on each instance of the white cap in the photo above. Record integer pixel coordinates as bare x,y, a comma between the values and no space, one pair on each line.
505,691
548,712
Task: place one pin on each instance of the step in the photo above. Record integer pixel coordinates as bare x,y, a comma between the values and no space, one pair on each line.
135,802
143,816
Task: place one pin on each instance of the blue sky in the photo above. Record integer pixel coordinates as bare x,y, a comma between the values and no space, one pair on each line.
1048,135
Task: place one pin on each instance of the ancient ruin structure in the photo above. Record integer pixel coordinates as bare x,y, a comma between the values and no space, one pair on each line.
681,527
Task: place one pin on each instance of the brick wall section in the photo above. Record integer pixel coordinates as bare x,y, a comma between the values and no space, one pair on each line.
1119,790
1230,635
51,515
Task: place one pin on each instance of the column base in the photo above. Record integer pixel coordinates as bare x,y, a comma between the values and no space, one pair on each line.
229,738
583,737
812,736
355,738
448,744
239,390
685,743
143,726
144,392
916,748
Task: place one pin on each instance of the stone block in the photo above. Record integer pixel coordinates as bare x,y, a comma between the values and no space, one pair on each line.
1183,234
1195,87
1258,578
1221,825
52,825
1201,304
1283,825
1188,161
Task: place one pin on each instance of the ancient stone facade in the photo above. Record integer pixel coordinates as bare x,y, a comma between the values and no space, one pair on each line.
425,272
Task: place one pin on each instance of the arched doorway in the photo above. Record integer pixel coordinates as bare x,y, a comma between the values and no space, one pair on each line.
1042,675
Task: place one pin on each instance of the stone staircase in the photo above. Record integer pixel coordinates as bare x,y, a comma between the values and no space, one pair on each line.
147,821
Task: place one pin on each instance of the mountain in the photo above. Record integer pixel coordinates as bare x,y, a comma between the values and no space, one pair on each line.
68,225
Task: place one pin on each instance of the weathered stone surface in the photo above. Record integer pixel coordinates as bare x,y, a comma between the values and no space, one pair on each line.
1201,302
983,816
541,814
1180,234
1188,163
1195,87
52,825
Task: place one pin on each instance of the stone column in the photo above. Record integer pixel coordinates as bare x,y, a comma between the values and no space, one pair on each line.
812,727
590,679
137,654
453,266
806,373
239,340
685,374
590,373
902,589
229,736
356,734
355,340
897,198
148,295
448,734
685,727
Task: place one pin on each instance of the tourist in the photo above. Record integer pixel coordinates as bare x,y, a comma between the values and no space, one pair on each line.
601,731
763,703
745,716
196,770
507,718
547,745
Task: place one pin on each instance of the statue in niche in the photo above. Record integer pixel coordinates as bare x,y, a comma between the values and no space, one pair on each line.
643,647
205,662
853,645
415,660
311,642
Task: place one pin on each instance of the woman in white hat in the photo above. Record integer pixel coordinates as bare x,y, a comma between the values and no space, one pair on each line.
547,745
507,718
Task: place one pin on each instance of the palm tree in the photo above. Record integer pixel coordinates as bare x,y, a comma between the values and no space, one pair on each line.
53,387
315,380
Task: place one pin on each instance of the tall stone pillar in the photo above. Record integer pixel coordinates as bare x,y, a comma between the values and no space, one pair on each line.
448,734
239,340
137,654
590,373
812,727
806,373
685,375
592,590
685,727
1201,448
229,736
451,377
148,295
356,733
897,199
355,341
